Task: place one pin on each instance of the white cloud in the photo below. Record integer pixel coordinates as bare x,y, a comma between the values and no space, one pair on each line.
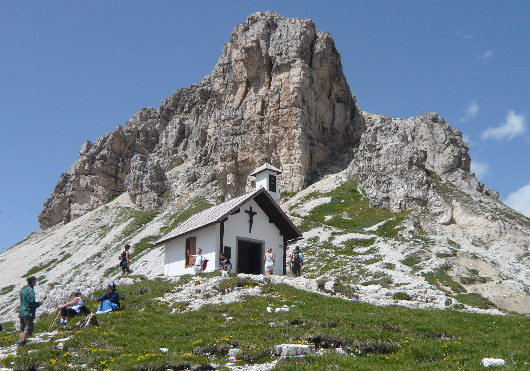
520,200
513,126
480,169
471,111
486,55
465,35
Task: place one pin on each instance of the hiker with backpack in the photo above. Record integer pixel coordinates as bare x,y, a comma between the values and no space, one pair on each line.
28,307
296,261
110,300
74,307
125,263
200,262
269,259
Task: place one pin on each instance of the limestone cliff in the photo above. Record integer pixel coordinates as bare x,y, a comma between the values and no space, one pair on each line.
277,93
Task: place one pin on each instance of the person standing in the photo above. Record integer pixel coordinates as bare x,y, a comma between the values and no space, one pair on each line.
28,307
269,259
200,261
125,263
296,261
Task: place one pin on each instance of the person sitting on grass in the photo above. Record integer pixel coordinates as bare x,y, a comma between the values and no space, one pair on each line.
110,300
72,308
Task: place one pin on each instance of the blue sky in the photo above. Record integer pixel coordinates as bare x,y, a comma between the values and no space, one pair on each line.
71,71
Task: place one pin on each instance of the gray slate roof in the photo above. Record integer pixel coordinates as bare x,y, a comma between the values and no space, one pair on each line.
206,217
217,213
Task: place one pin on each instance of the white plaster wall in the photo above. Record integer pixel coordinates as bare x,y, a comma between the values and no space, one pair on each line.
237,226
207,240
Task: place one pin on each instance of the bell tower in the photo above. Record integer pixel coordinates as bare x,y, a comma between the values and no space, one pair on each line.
267,177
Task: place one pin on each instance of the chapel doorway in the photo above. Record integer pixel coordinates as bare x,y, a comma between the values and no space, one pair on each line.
249,257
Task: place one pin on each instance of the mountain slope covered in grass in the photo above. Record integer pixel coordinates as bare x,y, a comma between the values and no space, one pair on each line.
154,332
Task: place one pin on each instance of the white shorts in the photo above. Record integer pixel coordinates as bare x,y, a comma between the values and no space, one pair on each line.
269,266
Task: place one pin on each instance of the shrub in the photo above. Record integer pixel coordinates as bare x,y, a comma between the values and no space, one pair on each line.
233,282
400,295
441,279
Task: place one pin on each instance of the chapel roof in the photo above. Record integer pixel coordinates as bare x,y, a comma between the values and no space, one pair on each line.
264,167
220,212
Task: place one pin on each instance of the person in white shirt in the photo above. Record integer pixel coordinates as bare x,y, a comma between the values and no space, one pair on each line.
70,309
269,260
199,261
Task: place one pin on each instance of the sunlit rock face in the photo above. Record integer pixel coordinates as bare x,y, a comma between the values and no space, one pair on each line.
277,94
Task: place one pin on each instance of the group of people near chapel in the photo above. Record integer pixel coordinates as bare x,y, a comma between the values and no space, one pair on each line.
295,262
110,300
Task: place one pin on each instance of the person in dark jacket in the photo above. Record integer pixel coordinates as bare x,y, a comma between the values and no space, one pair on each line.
125,263
28,307
110,300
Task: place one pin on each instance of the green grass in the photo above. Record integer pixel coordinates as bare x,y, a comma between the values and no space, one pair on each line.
379,278
193,207
401,296
287,195
341,286
454,244
351,212
140,218
32,271
412,260
473,278
475,300
348,211
64,257
447,254
359,242
6,289
380,338
142,246
443,281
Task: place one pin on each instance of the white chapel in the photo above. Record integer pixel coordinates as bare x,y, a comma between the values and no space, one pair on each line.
242,228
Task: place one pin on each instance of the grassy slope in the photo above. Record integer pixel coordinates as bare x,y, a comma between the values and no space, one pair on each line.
374,337
347,212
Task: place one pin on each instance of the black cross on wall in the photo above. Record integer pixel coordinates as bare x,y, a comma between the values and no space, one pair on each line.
251,218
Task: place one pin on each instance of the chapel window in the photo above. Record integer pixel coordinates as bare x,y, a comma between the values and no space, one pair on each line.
272,183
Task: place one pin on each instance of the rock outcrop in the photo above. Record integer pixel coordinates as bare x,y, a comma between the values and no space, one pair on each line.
277,93
397,160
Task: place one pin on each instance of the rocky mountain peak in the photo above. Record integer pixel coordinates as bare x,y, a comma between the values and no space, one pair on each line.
277,93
